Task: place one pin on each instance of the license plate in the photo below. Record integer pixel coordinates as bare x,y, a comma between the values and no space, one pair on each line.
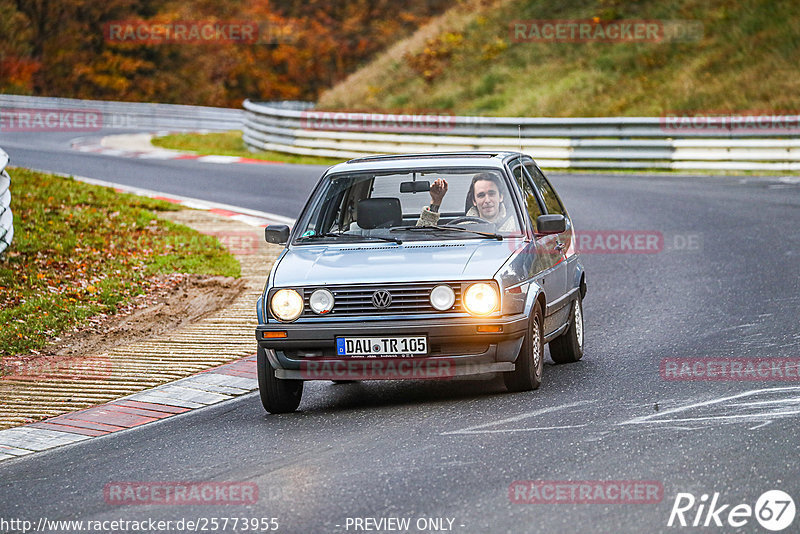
382,346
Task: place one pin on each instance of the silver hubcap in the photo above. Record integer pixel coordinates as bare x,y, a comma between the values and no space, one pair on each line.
536,346
579,324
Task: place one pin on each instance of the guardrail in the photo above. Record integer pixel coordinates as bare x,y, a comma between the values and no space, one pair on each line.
6,217
21,113
561,143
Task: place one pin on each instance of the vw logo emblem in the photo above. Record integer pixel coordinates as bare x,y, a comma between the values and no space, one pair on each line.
381,299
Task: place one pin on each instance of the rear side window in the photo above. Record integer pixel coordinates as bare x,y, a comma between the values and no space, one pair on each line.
531,202
546,190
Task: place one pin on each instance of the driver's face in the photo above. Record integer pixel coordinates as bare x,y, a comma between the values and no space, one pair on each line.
487,199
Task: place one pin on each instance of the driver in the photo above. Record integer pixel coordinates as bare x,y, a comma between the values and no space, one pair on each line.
484,200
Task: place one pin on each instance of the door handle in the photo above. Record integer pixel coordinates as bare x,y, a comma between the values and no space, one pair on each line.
560,246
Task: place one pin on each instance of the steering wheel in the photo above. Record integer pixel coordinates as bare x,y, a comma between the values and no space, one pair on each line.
468,219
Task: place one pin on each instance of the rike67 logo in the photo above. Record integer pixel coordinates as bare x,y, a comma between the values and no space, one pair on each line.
774,510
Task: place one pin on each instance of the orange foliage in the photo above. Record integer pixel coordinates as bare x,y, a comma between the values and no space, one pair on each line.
63,48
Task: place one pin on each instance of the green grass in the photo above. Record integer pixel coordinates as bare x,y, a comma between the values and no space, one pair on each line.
231,144
468,64
80,250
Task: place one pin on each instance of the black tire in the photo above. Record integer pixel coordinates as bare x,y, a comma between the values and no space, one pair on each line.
568,347
277,396
527,374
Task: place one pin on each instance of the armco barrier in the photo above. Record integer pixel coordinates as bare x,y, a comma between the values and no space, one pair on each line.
115,115
579,143
6,217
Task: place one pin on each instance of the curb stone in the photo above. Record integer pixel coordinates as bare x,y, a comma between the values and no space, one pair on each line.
138,395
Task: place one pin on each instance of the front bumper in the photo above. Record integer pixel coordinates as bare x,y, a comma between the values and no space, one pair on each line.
454,344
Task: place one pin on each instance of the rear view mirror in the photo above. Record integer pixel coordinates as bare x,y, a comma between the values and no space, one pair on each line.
415,187
277,234
550,224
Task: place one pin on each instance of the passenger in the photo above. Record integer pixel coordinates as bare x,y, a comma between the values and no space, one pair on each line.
484,200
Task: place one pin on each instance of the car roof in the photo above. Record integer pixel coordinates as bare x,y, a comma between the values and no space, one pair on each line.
431,159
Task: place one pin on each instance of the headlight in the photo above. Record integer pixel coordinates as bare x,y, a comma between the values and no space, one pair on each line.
442,297
321,301
286,304
480,299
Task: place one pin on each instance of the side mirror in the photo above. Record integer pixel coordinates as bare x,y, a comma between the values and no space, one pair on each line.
550,224
277,234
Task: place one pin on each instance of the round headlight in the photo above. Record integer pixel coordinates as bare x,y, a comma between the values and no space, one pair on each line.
321,301
442,298
480,299
286,304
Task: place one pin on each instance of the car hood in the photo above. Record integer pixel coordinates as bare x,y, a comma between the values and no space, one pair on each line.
386,262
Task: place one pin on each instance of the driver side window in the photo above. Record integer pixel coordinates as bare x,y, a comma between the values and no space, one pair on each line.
531,202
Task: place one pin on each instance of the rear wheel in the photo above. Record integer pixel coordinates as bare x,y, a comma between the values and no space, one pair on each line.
277,396
527,374
568,347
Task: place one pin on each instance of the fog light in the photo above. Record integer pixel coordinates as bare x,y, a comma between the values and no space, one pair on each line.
493,329
442,297
321,301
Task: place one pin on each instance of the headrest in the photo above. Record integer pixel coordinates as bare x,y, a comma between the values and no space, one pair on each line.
379,213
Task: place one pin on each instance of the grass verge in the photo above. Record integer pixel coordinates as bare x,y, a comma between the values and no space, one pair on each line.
467,62
231,144
80,250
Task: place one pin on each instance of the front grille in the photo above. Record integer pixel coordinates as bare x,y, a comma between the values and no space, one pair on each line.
406,299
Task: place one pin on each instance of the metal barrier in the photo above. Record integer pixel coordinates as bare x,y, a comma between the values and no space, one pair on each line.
117,115
727,143
6,217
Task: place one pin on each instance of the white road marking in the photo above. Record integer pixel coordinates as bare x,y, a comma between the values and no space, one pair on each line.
793,400
661,416
477,429
765,423
756,416
500,431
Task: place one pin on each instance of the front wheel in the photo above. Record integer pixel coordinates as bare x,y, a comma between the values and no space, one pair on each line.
277,396
527,373
568,347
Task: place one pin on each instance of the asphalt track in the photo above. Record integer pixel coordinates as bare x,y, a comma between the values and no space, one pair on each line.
724,285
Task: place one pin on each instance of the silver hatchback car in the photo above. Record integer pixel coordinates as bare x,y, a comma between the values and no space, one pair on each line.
421,266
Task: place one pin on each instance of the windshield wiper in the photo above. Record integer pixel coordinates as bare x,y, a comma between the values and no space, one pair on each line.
449,229
331,234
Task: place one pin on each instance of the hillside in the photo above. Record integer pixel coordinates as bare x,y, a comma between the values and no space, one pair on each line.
745,59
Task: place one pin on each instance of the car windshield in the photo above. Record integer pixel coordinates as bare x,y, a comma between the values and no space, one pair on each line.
390,204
